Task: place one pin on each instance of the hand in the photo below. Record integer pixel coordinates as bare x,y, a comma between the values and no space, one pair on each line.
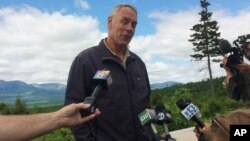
244,67
70,115
224,62
198,131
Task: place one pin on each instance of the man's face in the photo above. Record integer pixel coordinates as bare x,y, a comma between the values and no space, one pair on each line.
122,26
247,52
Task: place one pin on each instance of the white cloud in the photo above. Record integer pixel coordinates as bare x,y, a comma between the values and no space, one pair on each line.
171,42
234,25
83,4
39,47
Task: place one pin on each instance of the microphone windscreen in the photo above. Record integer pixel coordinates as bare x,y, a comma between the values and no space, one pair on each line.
182,104
159,107
225,46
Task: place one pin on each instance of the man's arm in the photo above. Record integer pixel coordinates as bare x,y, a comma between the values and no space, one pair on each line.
25,127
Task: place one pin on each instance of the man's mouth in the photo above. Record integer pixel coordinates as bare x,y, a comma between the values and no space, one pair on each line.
126,37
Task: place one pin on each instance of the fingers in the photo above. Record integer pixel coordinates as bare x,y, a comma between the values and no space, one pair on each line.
97,112
80,106
91,116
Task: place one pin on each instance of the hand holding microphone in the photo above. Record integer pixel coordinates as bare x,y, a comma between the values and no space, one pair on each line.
102,80
191,112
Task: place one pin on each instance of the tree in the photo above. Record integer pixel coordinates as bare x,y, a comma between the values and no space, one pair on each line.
20,107
206,39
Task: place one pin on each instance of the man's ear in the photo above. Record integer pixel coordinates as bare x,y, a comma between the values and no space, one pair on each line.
109,22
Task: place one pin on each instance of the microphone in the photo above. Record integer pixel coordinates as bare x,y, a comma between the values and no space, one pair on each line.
225,46
148,117
102,80
190,111
164,117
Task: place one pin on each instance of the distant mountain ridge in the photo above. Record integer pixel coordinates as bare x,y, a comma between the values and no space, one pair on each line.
32,94
46,93
164,85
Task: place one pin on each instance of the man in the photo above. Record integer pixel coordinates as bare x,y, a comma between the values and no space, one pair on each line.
26,127
238,86
129,93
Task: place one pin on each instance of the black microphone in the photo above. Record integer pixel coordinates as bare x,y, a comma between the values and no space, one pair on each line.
225,46
164,117
190,111
101,80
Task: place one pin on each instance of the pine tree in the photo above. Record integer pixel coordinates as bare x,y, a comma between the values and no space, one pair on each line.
20,107
205,39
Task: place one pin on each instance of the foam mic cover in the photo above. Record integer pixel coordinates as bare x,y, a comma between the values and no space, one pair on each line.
225,46
182,104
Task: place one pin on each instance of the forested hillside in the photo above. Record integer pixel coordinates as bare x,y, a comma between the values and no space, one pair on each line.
197,92
200,95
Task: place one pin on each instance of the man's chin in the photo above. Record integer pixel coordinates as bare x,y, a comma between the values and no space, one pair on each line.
124,43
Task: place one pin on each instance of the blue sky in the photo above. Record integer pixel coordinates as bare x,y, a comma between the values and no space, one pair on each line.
100,8
40,38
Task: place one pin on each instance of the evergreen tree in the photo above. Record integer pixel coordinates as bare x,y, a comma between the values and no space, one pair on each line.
20,107
206,39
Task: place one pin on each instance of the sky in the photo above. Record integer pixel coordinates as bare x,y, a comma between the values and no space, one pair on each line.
40,38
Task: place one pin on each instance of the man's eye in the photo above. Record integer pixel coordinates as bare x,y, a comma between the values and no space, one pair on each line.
124,21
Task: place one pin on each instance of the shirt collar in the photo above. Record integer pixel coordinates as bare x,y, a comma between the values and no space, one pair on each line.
126,55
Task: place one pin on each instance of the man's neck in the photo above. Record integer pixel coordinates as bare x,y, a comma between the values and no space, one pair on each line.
115,49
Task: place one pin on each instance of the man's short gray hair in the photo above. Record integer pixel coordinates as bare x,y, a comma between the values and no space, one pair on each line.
118,7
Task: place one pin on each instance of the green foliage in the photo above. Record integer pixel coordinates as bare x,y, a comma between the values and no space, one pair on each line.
205,40
206,36
4,109
20,107
37,109
2,106
63,134
199,94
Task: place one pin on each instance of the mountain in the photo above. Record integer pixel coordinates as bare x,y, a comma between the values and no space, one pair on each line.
164,85
45,94
33,94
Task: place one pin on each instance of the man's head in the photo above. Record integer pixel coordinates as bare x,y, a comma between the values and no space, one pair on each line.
246,50
121,25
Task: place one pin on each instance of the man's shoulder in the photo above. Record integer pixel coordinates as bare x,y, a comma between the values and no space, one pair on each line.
135,56
90,50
